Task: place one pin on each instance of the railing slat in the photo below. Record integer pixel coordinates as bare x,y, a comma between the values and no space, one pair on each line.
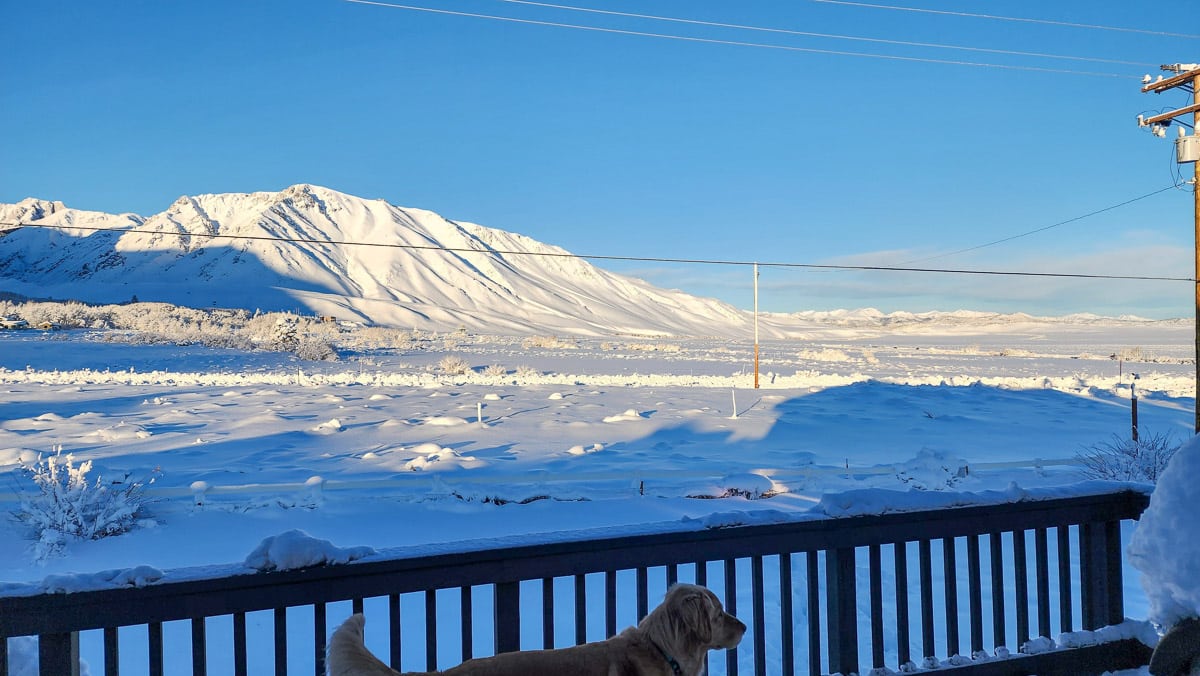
812,584
431,642
320,631
642,593
154,644
580,609
1021,587
842,611
508,616
875,571
758,612
58,654
787,641
1041,555
239,644
395,644
4,658
199,648
996,554
672,574
112,652
466,615
610,603
903,633
731,662
925,561
950,583
281,660
547,613
1065,610
975,594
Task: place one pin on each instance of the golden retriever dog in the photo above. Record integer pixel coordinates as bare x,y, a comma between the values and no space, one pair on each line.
671,641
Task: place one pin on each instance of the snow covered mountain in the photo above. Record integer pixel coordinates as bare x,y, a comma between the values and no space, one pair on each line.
292,250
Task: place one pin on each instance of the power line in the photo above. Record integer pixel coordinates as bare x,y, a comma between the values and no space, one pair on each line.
1046,227
785,31
737,43
1012,18
597,257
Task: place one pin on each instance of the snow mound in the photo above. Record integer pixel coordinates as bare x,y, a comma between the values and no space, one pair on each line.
329,427
122,431
627,416
296,549
1165,546
445,421
933,470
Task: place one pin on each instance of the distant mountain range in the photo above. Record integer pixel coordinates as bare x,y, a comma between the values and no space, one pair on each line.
316,250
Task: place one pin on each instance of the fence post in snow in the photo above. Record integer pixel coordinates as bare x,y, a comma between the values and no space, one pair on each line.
734,393
1133,401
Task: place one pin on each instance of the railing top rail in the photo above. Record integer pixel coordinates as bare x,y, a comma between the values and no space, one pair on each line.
533,558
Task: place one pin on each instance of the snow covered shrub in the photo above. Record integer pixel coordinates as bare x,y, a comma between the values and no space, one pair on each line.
527,371
66,506
823,355
453,365
495,371
310,347
1128,460
548,342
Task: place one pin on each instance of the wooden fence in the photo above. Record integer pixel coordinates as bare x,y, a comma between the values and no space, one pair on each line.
816,596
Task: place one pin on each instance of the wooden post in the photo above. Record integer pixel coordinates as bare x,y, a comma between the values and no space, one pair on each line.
1196,225
756,323
1184,78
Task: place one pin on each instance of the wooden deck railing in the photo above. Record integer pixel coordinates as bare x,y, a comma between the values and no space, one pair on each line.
812,592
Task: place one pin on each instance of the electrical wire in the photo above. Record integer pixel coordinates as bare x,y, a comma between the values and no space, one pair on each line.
596,257
834,36
1046,227
737,43
1049,22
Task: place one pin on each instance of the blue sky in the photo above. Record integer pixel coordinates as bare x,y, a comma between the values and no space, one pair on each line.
623,145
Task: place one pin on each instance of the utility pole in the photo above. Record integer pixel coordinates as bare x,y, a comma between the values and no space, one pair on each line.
756,326
1187,149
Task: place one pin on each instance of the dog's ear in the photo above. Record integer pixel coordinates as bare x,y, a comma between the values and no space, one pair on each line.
696,612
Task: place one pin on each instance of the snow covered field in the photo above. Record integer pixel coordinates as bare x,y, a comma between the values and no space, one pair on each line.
559,434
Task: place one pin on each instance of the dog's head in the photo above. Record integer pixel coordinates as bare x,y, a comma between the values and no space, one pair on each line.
698,612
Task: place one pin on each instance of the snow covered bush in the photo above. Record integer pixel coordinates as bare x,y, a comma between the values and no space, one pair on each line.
495,371
1129,460
66,506
310,347
453,365
548,342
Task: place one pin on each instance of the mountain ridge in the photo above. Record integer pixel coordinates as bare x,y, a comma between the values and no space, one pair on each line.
312,249
319,250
